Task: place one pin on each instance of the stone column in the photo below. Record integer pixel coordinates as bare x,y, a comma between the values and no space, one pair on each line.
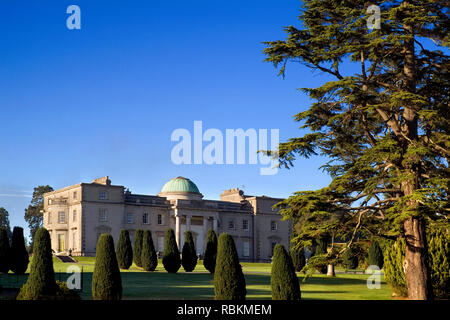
215,224
177,227
188,223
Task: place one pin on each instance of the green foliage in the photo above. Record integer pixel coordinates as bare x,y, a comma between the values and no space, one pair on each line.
283,281
189,253
4,251
349,259
124,251
320,249
298,258
438,259
209,258
393,268
41,281
375,254
33,214
229,281
19,255
137,247
171,256
106,279
149,259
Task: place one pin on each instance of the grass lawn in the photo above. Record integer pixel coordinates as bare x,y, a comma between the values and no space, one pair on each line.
198,284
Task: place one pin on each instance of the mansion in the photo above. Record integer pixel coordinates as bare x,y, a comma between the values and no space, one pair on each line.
77,215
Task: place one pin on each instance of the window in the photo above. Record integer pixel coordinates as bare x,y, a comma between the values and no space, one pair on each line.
130,218
61,217
160,244
145,219
49,218
273,225
159,219
245,224
102,195
230,224
103,216
246,251
74,215
75,196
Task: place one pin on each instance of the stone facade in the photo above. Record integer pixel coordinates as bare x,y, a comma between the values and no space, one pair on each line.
76,216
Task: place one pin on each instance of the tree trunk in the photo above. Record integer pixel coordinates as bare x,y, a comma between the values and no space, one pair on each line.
415,264
330,270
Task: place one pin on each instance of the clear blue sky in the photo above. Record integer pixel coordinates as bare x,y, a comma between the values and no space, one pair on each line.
80,104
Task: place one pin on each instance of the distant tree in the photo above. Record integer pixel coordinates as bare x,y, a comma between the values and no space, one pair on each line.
349,259
4,222
149,259
171,256
137,247
41,282
209,258
229,281
283,280
375,254
189,253
124,251
33,214
4,251
106,279
19,254
298,258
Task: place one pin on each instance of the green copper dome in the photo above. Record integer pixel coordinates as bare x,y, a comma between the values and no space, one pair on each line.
180,184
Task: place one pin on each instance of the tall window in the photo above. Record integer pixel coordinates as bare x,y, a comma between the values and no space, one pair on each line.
145,219
273,244
75,195
49,218
103,215
61,217
159,219
246,251
245,224
102,195
130,218
273,225
230,224
74,215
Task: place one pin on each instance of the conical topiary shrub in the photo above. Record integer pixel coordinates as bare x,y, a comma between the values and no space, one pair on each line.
439,261
189,253
149,259
229,281
137,247
284,281
41,282
349,259
171,256
298,258
209,258
375,254
124,251
106,279
4,251
393,268
19,255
